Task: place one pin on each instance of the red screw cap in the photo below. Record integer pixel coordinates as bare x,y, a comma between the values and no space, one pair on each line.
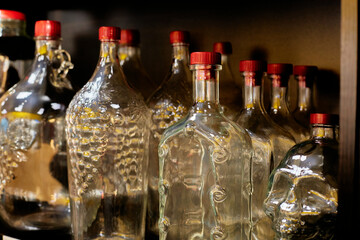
179,37
47,28
222,47
280,68
12,15
252,66
205,58
109,33
130,36
305,70
324,118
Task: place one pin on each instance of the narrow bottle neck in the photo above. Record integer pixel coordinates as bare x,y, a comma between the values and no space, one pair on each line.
180,54
45,46
226,73
321,131
304,93
129,52
108,52
279,94
252,90
10,28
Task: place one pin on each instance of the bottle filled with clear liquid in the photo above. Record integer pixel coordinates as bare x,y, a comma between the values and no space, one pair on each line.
33,172
108,136
205,159
303,190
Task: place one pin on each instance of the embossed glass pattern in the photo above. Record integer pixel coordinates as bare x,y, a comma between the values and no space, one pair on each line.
204,180
303,191
107,132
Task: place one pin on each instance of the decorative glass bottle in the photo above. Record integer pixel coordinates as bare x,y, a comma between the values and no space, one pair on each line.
204,182
33,173
303,191
130,61
305,76
270,143
108,134
169,103
230,92
279,74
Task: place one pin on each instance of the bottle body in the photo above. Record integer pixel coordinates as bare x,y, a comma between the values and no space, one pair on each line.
107,132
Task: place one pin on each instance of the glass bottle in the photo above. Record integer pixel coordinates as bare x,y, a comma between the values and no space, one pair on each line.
270,143
16,48
108,135
305,76
204,165
279,74
230,92
33,172
130,61
169,103
303,190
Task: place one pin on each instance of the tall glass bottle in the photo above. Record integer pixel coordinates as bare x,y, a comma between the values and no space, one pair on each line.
107,132
303,190
279,74
130,61
230,92
204,165
305,76
33,171
270,143
169,103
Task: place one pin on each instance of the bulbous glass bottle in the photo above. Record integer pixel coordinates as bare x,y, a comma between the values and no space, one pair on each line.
108,136
230,92
279,74
33,173
204,182
130,61
270,143
169,103
303,190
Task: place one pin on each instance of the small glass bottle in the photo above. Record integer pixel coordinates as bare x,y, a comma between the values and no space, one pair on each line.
279,74
303,190
169,103
204,165
230,92
108,136
130,61
33,172
16,48
270,143
305,76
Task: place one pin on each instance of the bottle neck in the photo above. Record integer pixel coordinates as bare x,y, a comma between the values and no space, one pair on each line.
321,131
304,93
10,28
252,90
226,73
108,52
44,46
180,54
279,94
129,52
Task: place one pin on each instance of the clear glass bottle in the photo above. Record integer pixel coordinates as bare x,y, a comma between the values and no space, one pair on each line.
270,143
305,76
169,103
230,92
16,48
108,136
204,165
33,172
279,74
303,190
130,61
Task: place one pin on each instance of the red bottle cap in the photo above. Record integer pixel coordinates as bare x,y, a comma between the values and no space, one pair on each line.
280,68
14,15
179,37
130,36
324,118
305,70
205,58
109,33
222,47
47,28
252,66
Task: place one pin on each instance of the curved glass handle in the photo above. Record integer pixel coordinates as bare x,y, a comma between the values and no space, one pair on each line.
61,64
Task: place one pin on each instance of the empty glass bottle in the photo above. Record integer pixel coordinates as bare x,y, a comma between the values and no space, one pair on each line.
305,76
279,74
204,159
108,134
169,103
303,191
33,173
270,143
130,61
230,92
